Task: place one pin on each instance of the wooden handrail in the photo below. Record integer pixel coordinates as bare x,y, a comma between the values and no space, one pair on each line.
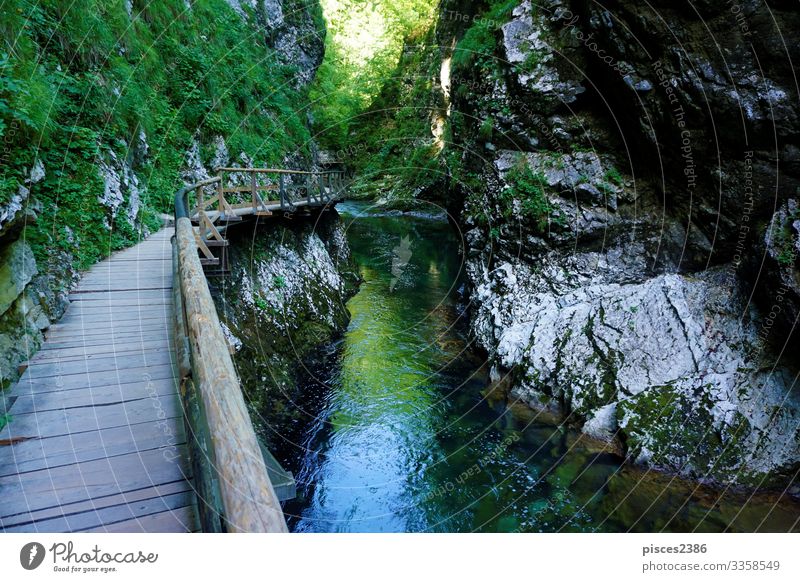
247,497
275,171
207,182
231,477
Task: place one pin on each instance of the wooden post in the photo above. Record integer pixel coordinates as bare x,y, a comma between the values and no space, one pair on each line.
282,190
199,194
221,195
182,354
253,190
248,497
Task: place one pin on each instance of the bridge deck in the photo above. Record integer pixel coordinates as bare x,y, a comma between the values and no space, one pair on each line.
97,427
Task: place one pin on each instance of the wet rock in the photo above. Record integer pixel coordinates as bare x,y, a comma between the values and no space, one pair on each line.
628,354
284,297
602,424
628,299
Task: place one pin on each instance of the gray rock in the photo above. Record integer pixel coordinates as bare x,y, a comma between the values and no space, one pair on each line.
17,268
602,424
631,299
121,189
526,36
603,345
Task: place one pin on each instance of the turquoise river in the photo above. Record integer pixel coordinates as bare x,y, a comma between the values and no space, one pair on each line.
405,437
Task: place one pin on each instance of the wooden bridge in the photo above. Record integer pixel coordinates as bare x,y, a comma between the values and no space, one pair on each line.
131,417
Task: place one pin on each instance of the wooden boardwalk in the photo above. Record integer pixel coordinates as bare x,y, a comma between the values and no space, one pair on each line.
97,425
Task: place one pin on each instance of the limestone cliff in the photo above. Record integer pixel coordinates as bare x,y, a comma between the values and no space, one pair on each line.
627,178
285,297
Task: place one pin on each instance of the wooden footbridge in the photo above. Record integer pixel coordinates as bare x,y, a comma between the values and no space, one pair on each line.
131,417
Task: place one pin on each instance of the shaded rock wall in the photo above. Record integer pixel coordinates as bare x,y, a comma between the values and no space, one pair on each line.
285,296
628,187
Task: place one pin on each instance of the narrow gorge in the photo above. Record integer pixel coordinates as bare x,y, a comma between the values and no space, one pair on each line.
558,293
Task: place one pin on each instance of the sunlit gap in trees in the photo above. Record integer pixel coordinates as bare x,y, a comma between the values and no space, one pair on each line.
363,45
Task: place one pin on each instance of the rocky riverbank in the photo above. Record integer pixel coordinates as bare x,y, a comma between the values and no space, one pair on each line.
285,297
630,272
626,179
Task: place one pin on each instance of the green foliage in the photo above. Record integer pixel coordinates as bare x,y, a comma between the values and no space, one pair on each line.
486,130
527,193
394,135
261,303
75,74
532,60
613,176
785,243
279,281
478,46
364,44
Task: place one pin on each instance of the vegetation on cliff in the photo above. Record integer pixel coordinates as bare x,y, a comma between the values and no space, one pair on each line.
142,79
375,90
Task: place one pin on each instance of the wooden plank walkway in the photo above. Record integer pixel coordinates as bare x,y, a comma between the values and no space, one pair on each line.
103,444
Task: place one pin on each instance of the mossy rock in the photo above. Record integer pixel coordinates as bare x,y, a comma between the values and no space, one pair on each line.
668,428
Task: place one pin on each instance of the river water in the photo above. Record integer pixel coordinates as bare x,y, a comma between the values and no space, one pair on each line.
401,436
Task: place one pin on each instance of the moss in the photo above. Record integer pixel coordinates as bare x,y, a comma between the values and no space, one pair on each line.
476,49
278,331
678,430
784,242
613,176
531,61
486,130
527,190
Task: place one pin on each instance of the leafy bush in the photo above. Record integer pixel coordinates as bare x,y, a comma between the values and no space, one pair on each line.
526,192
478,46
364,44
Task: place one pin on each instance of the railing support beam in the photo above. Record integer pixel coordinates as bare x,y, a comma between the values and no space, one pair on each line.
248,498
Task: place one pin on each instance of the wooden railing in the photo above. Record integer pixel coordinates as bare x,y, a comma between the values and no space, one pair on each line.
237,192
230,475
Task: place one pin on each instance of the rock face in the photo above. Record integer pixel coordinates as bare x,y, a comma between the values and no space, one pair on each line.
632,225
290,28
285,296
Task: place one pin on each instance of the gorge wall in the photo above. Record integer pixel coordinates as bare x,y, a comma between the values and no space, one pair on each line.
626,179
633,253
285,297
107,108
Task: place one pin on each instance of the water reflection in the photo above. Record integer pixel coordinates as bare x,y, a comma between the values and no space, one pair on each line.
405,439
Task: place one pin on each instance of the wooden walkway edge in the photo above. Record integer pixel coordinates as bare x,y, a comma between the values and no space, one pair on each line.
98,415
